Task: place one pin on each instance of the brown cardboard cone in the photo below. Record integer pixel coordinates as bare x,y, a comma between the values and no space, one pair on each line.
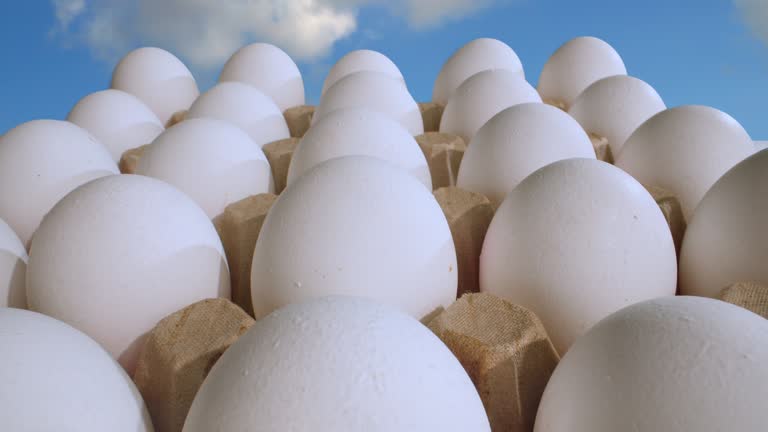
176,118
506,352
279,154
752,296
129,161
443,152
673,213
298,119
239,228
178,354
602,149
469,214
431,114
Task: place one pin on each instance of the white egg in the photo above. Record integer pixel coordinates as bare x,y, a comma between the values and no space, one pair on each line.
359,131
684,150
40,162
476,56
355,225
671,364
375,91
119,120
482,96
13,268
120,253
337,364
56,378
760,145
269,69
574,66
726,241
361,60
158,78
516,142
574,242
244,106
213,162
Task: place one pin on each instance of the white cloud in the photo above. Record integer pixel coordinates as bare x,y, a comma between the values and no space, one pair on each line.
755,13
205,32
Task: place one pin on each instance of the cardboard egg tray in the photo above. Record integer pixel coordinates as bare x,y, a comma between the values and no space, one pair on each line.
497,342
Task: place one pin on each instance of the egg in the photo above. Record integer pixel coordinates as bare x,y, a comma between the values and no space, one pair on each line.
669,364
57,378
684,150
40,162
476,56
355,225
359,131
118,120
375,91
612,108
337,364
245,107
13,267
481,97
574,242
269,69
516,142
726,241
120,253
361,60
760,145
158,78
213,162
574,66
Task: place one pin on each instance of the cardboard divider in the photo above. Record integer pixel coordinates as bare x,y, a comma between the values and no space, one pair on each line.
444,153
279,154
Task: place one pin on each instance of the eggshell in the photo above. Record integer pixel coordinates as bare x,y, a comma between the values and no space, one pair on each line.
213,162
359,131
685,150
516,142
56,378
726,241
337,364
13,267
355,225
245,107
476,56
481,97
677,363
613,107
375,91
118,254
158,78
40,162
361,60
269,69
574,242
760,145
574,66
118,120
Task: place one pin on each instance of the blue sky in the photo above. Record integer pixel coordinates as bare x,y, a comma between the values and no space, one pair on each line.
693,52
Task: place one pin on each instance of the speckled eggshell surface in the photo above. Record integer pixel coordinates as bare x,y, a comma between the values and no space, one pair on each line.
684,150
516,142
355,225
120,253
338,364
269,69
244,106
40,162
476,56
361,60
57,378
481,97
375,91
117,119
213,162
13,268
574,242
158,78
726,241
359,131
671,364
